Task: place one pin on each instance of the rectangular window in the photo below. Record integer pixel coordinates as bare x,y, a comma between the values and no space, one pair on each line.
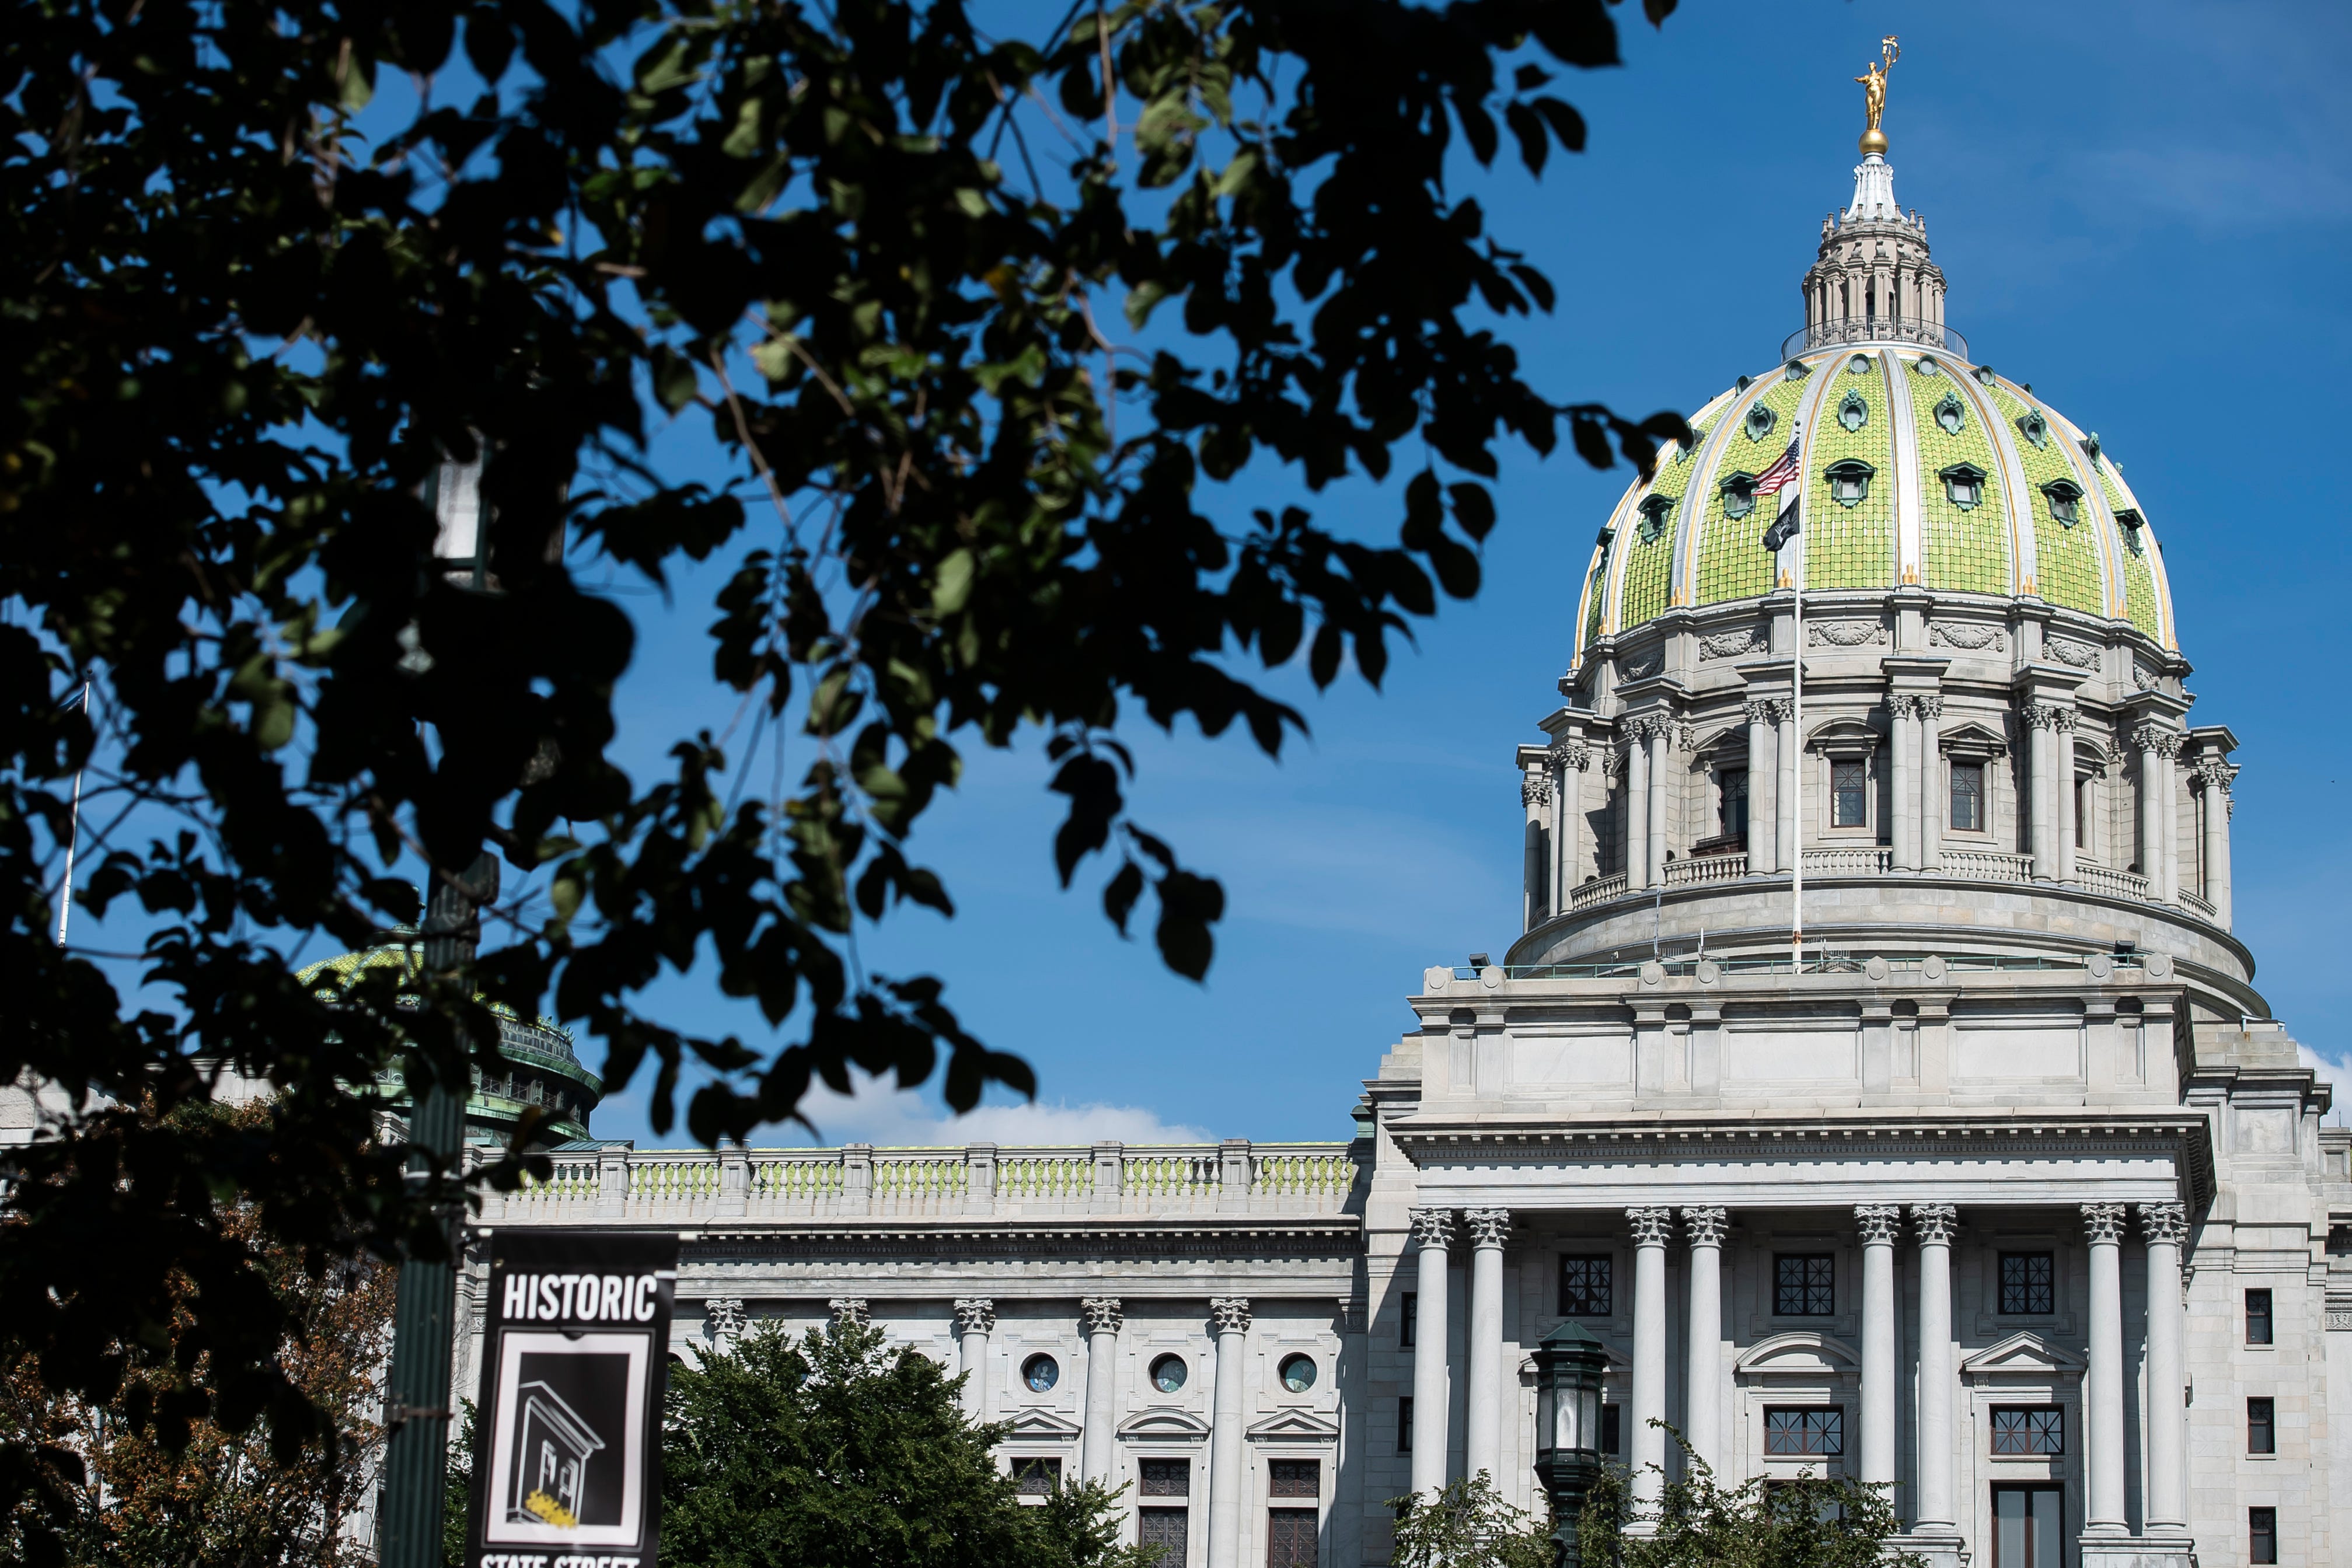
2082,813
1968,798
1410,1322
1168,1529
2262,1535
2261,1426
1290,1538
1812,1432
2027,1523
1295,1478
1613,1430
1804,1285
1404,1425
1588,1287
1036,1477
2258,1317
2030,1429
1164,1477
1849,795
2027,1287
1734,802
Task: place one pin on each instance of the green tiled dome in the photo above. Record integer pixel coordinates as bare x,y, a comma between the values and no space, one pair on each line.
2035,506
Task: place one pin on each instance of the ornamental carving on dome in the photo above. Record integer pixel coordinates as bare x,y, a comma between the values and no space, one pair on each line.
2082,655
1966,636
1844,633
1732,645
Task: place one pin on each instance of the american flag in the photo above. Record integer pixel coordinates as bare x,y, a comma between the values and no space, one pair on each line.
1780,476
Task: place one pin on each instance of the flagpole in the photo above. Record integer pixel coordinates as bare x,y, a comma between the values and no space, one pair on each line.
1797,769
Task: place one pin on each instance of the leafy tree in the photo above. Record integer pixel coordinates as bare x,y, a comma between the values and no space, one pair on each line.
1807,1522
835,1452
981,323
1468,1525
144,1479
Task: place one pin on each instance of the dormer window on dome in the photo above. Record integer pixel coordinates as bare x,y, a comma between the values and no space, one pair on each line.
1858,366
1849,481
2091,448
1655,510
1759,423
1855,411
2034,428
1797,369
1952,414
1739,495
2065,499
1927,366
2132,522
1963,484
1985,374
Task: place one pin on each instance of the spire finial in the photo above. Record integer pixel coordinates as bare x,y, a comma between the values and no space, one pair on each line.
1873,95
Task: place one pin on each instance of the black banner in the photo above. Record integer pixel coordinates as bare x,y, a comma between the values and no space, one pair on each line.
567,1434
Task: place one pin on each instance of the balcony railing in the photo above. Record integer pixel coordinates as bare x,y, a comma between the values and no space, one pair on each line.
859,1182
1878,860
1874,329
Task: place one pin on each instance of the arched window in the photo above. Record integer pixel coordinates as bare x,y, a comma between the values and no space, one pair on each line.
1850,481
1963,484
2065,499
1739,495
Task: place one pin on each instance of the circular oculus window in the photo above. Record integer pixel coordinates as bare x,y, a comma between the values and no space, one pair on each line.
1298,1373
1040,1373
1167,1373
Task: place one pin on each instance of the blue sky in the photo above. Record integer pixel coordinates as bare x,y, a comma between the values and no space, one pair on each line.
2142,209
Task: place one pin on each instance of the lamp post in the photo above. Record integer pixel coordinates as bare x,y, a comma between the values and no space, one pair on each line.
1569,1367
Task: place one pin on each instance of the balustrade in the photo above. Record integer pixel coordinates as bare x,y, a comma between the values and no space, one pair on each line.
667,1187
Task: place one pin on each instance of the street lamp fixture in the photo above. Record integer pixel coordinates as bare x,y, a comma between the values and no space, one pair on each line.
1569,1363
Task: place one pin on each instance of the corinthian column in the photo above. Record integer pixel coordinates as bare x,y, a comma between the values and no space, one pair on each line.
1637,804
1904,723
1932,794
1568,757
1934,1513
1881,1223
2038,719
1662,732
2103,1513
1703,1376
2216,774
1433,1232
1228,1481
1102,1319
2165,1226
1761,795
1784,805
975,1320
1482,1442
2158,746
1646,1442
2061,783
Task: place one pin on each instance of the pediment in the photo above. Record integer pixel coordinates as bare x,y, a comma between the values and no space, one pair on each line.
1293,1427
1973,740
1797,1352
1164,1423
2022,1353
1041,1424
1843,734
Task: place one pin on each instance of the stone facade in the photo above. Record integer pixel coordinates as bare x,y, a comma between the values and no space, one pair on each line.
2000,1189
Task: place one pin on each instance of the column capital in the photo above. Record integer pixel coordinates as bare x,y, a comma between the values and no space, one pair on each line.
1535,788
1230,1314
1705,1227
1881,1223
2103,1223
2156,737
1100,1315
723,1316
1763,710
849,1309
975,1314
1488,1227
1433,1229
1935,1223
1931,705
2164,1222
1651,1227
1571,754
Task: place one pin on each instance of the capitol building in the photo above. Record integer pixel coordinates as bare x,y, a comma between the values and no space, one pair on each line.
1876,1075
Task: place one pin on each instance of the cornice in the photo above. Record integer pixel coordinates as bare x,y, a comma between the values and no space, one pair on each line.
1320,1236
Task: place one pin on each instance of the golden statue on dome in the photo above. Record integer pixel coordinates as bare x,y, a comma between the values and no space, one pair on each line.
1873,93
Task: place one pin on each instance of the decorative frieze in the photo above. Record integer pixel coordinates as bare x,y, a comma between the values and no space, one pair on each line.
1967,636
2081,656
1845,633
1732,645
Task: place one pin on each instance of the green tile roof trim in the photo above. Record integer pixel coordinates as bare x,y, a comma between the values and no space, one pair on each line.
1850,546
2068,569
1703,557
1962,549
1732,563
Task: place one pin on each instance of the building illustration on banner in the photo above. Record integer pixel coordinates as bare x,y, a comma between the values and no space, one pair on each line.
552,1446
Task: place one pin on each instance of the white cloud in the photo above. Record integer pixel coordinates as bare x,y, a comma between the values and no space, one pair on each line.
879,1114
2340,1115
